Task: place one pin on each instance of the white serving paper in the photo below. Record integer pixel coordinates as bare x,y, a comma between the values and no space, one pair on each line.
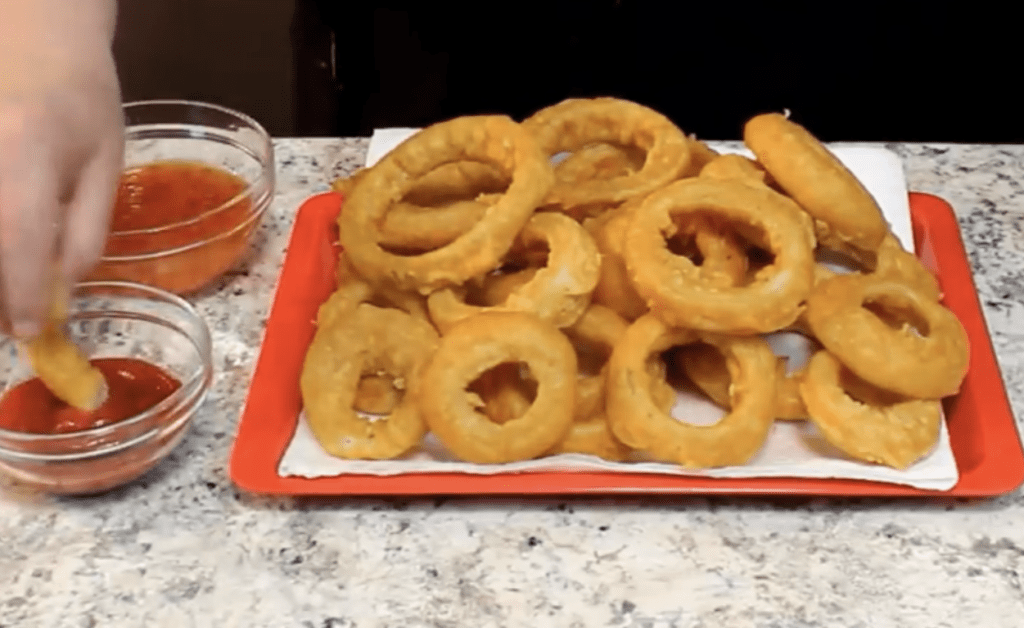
793,449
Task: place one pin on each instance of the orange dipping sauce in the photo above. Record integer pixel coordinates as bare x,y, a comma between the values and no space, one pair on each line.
168,205
134,386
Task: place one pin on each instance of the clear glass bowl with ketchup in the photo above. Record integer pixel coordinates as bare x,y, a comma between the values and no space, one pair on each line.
153,349
198,178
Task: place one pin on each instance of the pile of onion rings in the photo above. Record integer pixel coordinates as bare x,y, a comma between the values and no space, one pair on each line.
526,289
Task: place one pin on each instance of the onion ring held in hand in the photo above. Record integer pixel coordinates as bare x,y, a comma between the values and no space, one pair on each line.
925,357
368,340
639,423
843,209
894,432
496,140
61,365
671,284
481,342
577,122
558,293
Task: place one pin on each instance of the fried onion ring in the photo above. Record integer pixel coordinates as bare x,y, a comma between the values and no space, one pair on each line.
925,357
639,423
894,432
491,139
614,288
700,155
671,284
590,433
705,367
442,205
735,167
575,123
60,364
600,161
558,293
355,342
481,342
376,394
843,209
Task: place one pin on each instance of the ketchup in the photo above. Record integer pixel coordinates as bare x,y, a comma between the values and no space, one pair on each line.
133,387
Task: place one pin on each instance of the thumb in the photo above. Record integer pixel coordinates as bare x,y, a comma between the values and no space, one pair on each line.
87,221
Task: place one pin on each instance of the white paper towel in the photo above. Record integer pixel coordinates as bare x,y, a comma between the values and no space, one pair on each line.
793,449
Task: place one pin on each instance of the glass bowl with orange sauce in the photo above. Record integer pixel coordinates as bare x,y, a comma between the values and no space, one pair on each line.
154,350
198,178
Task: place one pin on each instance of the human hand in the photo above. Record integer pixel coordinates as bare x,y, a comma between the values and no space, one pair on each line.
61,151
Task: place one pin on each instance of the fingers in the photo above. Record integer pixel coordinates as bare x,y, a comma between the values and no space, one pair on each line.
87,220
29,226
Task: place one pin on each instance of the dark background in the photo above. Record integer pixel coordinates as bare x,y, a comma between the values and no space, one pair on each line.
910,71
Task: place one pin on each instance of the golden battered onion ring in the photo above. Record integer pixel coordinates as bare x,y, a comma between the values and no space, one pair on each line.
614,288
504,393
376,394
442,205
60,364
495,289
366,340
705,367
637,422
843,209
575,123
456,181
600,161
413,228
735,167
892,262
700,155
927,364
491,139
590,433
356,290
558,293
671,284
896,433
724,261
481,342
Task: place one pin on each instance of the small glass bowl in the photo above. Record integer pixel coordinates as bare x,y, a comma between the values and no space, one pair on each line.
186,256
114,320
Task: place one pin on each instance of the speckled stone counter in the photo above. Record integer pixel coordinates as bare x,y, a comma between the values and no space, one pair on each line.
183,548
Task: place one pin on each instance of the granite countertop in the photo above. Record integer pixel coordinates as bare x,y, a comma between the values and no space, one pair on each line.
182,547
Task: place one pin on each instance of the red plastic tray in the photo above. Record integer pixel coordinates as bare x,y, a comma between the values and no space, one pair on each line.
984,435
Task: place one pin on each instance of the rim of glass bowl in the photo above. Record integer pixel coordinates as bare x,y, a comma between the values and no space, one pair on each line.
191,391
267,165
